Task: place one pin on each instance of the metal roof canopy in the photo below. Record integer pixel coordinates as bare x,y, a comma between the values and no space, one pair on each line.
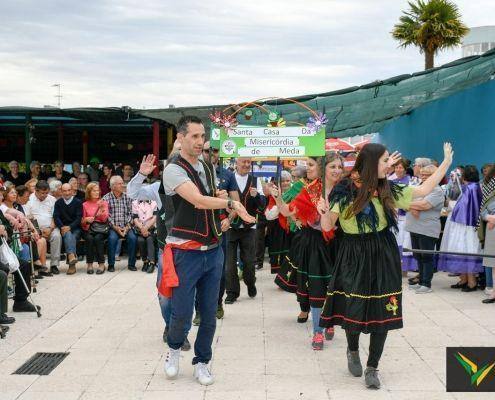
74,117
352,111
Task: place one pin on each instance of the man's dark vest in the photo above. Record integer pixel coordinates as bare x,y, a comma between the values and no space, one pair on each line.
165,216
189,222
249,204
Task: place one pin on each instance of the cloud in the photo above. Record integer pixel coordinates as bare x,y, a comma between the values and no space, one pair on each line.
154,53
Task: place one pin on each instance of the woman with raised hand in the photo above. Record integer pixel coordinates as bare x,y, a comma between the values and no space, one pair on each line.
365,290
313,252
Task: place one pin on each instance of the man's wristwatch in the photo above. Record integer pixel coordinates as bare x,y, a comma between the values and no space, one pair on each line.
230,204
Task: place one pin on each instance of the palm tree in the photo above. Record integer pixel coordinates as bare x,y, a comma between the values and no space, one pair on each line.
431,25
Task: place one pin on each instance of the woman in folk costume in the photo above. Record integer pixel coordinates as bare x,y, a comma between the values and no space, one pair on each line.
313,250
486,230
278,237
402,236
286,278
460,233
365,290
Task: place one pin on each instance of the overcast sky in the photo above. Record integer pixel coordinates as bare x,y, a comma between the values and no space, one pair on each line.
152,53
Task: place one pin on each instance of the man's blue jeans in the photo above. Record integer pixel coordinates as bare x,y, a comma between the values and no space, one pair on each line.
70,241
201,270
113,240
165,303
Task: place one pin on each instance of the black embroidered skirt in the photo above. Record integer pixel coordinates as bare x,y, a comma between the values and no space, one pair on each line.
278,245
313,265
365,291
286,278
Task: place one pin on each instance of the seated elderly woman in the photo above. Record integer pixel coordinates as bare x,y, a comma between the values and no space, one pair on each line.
22,280
31,185
14,213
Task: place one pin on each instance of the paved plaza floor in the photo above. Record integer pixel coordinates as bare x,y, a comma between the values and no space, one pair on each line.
112,327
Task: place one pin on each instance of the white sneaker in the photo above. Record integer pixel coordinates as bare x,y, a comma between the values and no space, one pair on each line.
202,374
172,363
423,290
415,286
488,291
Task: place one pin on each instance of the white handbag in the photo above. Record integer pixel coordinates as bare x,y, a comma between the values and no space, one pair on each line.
8,257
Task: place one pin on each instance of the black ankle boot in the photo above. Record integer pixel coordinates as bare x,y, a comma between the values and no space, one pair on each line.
146,265
151,267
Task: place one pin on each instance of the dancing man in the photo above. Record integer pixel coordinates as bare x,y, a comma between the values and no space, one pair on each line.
193,256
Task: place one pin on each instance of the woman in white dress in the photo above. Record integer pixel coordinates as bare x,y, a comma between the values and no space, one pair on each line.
460,234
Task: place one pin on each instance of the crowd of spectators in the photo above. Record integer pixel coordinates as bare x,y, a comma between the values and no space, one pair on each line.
457,217
50,215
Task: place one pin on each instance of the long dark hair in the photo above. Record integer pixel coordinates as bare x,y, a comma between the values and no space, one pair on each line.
366,168
471,174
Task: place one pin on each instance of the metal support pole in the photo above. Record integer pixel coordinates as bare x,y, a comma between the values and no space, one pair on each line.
156,144
33,279
453,253
170,139
60,142
220,177
29,293
27,144
85,141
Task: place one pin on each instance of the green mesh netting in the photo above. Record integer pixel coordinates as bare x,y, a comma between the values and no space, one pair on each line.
363,109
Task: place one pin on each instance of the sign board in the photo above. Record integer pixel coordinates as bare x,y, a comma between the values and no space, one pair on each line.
258,141
215,138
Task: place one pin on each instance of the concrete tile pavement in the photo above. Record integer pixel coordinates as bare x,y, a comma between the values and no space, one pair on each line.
112,327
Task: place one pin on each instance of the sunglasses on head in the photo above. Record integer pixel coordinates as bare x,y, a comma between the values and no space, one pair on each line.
208,151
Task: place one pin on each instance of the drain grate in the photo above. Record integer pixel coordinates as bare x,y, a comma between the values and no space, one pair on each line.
41,364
